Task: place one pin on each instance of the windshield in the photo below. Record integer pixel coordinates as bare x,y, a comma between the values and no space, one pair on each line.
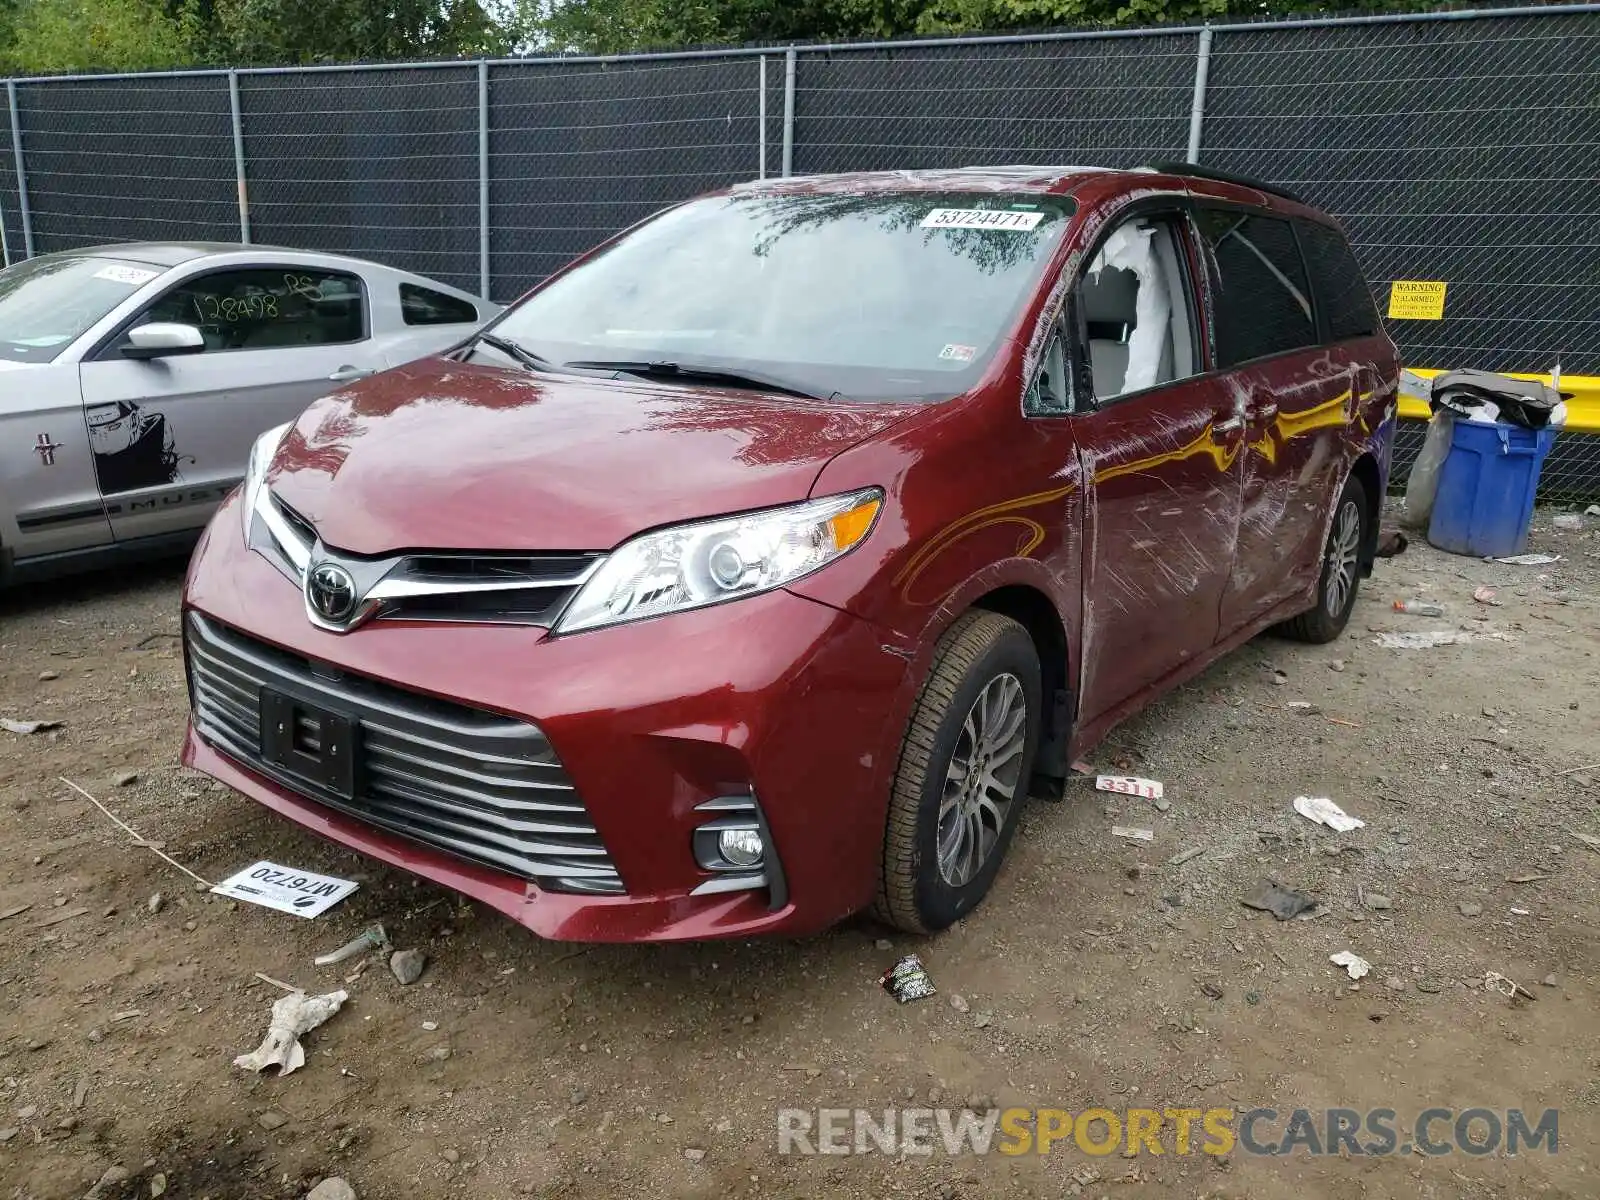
47,303
877,296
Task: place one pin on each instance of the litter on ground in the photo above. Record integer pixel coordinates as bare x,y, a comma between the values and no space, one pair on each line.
1436,637
1130,785
303,893
26,727
1133,833
1283,903
292,1015
373,939
1509,988
1355,966
1325,812
907,980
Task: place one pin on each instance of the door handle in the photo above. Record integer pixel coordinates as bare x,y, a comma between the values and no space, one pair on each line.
346,374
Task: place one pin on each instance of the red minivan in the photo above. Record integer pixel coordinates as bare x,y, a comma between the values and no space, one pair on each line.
745,574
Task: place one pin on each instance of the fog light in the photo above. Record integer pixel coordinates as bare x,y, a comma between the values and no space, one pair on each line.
741,847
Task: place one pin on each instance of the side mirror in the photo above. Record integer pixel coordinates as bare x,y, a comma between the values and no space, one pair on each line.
160,339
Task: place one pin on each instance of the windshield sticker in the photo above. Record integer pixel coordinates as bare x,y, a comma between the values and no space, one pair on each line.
981,218
132,276
958,353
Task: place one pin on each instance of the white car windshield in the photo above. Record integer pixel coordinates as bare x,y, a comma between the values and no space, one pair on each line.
47,303
875,295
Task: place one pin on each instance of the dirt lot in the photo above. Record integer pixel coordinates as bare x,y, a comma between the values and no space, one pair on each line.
1098,974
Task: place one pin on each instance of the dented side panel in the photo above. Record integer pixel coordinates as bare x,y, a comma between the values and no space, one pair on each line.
1298,409
1161,513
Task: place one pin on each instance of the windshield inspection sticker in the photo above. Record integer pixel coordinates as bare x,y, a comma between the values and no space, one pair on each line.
959,353
133,276
981,218
286,889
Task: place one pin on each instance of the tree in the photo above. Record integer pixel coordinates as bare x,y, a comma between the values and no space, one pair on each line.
278,32
615,26
40,36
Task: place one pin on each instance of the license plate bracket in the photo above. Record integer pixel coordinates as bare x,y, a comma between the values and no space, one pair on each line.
310,742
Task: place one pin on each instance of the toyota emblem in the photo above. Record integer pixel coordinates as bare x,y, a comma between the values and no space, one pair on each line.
331,592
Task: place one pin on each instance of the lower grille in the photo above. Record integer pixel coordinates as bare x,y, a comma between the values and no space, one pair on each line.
478,785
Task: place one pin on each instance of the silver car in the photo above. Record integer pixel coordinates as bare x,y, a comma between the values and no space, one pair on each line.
134,378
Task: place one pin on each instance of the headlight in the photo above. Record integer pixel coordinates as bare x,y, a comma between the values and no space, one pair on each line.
691,566
255,472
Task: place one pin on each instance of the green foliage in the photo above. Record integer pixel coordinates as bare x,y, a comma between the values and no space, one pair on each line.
615,26
75,35
41,36
261,32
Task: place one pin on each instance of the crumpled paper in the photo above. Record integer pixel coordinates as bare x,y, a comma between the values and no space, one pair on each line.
1325,812
1353,963
292,1015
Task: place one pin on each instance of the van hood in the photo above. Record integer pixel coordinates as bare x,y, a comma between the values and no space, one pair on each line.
457,456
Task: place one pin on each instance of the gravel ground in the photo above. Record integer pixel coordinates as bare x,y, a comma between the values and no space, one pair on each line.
1098,973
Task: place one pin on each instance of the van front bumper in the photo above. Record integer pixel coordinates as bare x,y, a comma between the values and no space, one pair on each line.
775,707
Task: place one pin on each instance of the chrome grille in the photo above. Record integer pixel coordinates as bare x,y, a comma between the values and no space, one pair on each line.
479,785
528,570
429,585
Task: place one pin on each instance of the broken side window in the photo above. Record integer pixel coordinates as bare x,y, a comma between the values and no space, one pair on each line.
1136,311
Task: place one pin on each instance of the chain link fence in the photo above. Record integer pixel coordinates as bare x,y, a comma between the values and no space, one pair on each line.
1458,147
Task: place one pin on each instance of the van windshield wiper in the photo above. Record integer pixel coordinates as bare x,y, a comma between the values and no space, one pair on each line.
517,351
690,373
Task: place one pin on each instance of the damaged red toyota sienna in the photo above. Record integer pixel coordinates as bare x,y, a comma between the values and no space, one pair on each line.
746,573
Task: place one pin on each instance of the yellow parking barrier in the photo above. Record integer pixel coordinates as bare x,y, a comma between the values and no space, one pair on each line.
1583,410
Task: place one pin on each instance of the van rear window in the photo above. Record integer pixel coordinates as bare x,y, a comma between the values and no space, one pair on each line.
1263,303
1341,289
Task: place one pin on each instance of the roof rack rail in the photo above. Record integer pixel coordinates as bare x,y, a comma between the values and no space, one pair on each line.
1195,171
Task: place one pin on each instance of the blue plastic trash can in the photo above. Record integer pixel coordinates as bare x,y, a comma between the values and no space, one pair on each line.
1484,502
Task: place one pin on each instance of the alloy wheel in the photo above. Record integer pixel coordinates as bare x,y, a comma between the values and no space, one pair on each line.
1344,553
982,779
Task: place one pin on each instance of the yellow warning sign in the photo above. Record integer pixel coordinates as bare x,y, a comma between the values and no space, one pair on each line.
1416,300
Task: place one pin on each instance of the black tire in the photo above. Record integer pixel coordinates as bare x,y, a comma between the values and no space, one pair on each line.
1326,620
980,649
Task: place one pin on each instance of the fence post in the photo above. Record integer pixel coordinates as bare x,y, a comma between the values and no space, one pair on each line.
22,174
5,240
788,112
238,157
1197,110
483,179
761,119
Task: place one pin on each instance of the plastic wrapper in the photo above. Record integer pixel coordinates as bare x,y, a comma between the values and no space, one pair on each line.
907,980
1423,483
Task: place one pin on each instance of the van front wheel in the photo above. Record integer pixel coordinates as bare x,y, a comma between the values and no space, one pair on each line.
963,774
